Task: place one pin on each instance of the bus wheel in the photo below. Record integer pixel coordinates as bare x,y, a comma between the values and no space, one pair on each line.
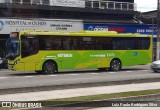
49,67
156,71
115,65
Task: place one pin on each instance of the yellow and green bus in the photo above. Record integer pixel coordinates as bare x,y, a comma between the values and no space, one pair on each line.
50,52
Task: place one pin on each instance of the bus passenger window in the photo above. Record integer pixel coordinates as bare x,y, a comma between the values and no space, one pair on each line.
30,46
66,44
48,43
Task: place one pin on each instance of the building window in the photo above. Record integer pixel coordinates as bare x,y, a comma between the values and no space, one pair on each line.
45,2
16,1
26,1
37,2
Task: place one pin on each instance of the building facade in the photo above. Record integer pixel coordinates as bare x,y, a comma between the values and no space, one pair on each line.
150,18
66,15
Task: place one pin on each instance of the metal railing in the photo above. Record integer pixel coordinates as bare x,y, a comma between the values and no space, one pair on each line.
88,4
111,5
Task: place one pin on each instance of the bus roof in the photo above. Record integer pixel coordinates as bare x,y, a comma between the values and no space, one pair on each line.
83,33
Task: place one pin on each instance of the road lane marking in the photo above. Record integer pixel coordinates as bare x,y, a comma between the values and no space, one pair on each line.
53,75
4,77
129,71
28,76
94,73
145,70
66,74
2,71
113,72
73,74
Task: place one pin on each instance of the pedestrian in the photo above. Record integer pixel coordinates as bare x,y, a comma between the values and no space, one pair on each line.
1,63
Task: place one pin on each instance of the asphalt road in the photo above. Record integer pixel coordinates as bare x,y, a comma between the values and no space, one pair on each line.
14,79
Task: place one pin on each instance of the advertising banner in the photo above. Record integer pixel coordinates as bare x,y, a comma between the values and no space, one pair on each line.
68,3
123,28
15,25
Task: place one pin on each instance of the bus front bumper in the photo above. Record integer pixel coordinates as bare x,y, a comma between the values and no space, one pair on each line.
11,66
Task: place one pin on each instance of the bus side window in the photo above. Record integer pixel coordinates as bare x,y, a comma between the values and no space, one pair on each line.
130,43
35,46
29,47
65,43
138,44
49,44
74,44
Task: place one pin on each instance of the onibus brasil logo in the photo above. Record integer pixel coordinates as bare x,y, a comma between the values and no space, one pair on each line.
1,25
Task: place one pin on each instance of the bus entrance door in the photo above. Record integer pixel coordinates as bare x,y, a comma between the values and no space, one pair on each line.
30,62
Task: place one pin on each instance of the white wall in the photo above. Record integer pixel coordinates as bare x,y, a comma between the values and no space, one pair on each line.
2,1
68,3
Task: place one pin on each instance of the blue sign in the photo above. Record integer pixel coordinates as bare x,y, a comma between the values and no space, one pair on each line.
135,53
123,28
1,25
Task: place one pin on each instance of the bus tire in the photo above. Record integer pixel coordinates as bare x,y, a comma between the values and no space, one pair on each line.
49,67
115,65
156,71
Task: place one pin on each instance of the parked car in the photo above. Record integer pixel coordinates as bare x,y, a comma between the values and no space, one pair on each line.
155,66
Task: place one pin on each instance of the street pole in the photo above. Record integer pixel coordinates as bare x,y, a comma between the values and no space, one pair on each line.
158,27
153,51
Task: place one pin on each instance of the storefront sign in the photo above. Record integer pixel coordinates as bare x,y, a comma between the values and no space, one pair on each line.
16,25
123,28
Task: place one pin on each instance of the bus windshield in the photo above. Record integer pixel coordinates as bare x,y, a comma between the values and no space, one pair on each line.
12,48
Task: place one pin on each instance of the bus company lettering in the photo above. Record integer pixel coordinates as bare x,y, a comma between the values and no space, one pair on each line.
98,55
65,55
110,54
50,57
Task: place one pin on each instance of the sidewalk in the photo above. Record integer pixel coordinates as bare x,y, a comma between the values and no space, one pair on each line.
67,93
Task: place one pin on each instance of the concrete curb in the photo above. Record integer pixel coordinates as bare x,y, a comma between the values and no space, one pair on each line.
150,97
105,103
71,86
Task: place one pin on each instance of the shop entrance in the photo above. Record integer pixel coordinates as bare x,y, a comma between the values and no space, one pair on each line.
3,38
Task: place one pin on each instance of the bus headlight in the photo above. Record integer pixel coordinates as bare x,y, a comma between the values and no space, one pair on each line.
16,62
